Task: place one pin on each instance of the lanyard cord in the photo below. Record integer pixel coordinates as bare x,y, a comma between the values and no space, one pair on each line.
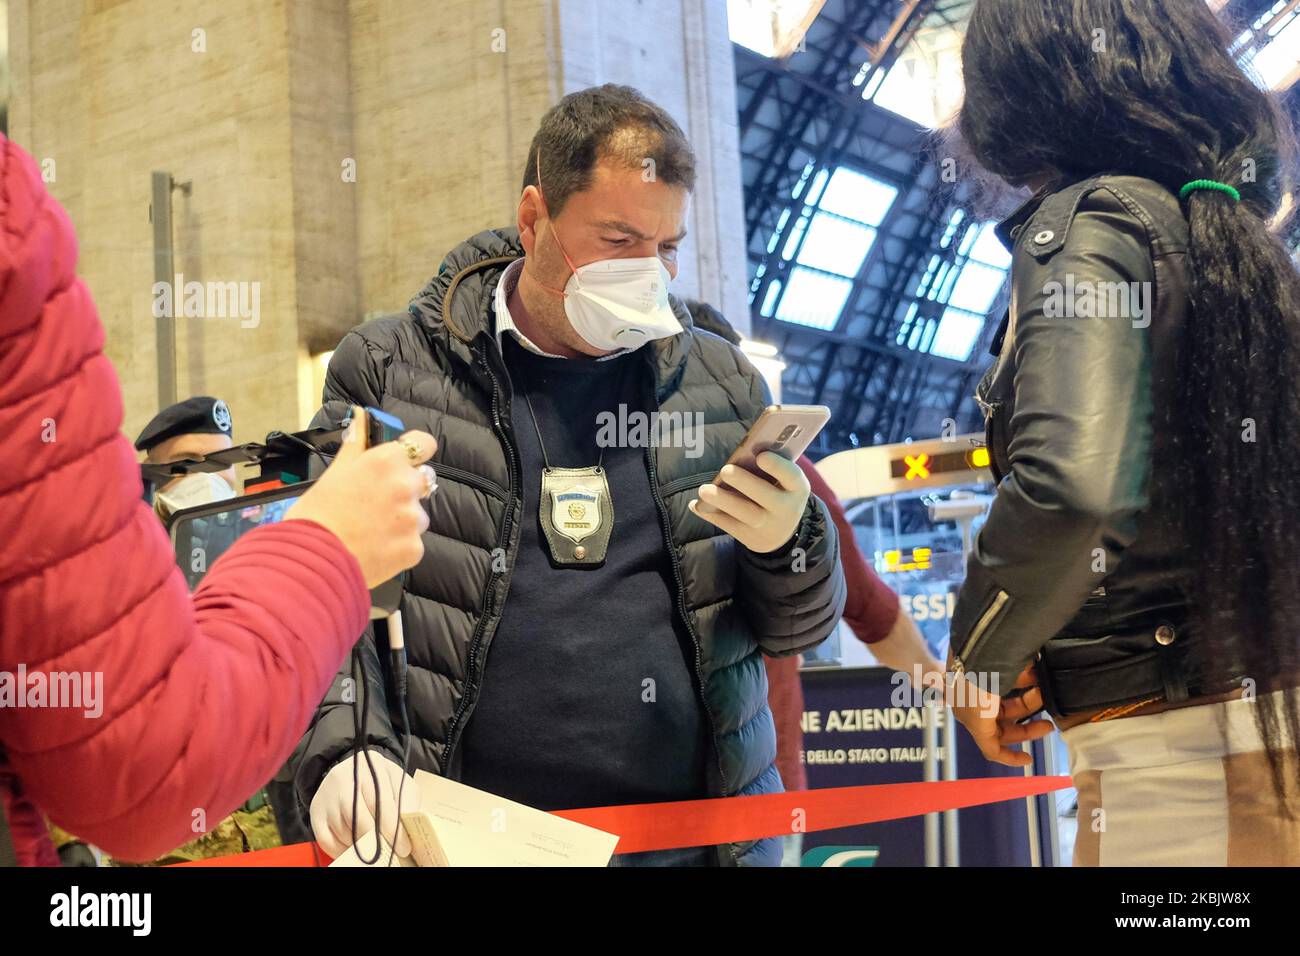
600,461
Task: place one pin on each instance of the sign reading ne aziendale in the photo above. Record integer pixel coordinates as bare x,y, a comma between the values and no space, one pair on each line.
866,720
857,732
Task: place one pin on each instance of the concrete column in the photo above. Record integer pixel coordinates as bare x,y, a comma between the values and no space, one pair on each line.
678,53
446,97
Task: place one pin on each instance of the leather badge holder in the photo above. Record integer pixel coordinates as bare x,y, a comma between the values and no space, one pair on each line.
577,515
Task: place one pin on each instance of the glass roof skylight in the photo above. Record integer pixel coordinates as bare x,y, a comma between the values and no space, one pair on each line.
814,299
960,293
771,27
974,293
1277,63
828,244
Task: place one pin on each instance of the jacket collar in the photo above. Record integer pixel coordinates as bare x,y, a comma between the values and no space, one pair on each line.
457,302
1008,229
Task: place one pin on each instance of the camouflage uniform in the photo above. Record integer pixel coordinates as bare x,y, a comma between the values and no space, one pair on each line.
251,827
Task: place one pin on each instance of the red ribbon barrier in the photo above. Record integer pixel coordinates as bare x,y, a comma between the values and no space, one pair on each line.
666,826
295,854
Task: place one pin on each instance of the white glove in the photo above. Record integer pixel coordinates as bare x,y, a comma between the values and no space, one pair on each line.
760,515
331,808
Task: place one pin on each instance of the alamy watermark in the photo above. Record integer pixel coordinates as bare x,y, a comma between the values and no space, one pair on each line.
209,300
636,429
1086,299
969,689
75,690
76,908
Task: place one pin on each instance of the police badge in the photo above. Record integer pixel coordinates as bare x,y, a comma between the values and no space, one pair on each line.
577,514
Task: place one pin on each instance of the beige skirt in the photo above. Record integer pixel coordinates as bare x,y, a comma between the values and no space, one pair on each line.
1185,787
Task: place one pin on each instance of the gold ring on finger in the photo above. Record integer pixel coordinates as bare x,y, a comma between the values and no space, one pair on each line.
413,453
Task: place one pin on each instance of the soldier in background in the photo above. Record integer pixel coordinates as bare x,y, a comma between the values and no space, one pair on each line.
193,429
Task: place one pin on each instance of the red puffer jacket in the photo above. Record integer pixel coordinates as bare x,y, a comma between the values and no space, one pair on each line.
203,697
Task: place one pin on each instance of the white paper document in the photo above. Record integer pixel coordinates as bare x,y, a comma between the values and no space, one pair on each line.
456,825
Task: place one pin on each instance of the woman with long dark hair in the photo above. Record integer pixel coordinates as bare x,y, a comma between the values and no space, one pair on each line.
1140,568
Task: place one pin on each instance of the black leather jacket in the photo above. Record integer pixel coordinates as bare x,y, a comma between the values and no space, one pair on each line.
1081,564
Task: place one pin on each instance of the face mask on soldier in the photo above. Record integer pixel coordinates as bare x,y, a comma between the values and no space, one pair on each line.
190,492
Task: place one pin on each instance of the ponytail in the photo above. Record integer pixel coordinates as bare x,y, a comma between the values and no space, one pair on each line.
1235,419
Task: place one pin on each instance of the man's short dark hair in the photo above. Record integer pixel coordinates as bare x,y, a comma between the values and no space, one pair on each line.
605,122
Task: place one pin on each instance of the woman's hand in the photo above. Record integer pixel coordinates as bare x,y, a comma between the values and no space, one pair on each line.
994,722
371,500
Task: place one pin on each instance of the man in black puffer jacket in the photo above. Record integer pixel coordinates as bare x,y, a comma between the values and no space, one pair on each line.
547,664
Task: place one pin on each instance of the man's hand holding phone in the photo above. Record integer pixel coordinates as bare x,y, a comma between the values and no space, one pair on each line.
761,514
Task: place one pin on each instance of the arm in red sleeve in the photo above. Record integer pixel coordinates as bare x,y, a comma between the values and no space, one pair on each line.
172,708
785,698
872,607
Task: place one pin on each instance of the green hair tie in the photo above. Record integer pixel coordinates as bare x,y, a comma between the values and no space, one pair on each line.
1210,184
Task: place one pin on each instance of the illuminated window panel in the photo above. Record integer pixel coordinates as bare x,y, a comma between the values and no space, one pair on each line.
977,288
769,300
927,280
1278,64
792,241
836,245
954,223
965,291
906,325
819,183
922,335
771,27
813,299
988,248
854,195
957,335
803,181
944,282
925,84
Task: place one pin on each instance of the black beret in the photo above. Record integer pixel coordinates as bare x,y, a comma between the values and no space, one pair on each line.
202,415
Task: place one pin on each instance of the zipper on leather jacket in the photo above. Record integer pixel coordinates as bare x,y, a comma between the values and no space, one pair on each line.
979,630
470,697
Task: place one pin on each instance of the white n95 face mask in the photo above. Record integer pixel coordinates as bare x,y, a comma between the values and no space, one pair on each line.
200,488
615,303
620,303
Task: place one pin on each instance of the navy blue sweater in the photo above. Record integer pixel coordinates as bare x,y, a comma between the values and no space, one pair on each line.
588,695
